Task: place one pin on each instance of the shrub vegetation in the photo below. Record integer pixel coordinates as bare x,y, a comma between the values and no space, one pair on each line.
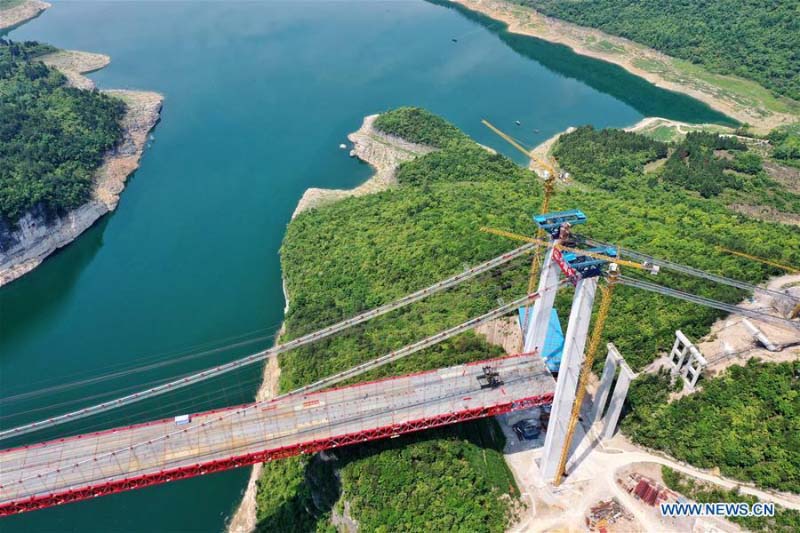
52,137
745,422
784,521
754,40
361,252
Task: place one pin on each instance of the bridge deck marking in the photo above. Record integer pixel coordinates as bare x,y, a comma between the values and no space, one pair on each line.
63,465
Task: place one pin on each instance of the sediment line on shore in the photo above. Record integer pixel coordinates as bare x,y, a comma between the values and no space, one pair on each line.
22,13
384,153
35,239
631,56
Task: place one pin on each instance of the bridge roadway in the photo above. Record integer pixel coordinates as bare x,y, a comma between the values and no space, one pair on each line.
127,458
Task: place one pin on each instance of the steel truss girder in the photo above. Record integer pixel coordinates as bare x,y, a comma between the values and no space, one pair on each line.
201,469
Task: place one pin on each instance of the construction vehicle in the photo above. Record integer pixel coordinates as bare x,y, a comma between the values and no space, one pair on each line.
490,379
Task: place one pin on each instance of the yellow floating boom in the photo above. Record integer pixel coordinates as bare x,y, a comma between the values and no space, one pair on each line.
549,188
513,142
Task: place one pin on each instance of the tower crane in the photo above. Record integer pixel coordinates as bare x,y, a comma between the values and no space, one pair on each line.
787,268
606,291
549,188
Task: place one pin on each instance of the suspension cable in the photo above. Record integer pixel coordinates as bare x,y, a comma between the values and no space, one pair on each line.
272,352
708,302
696,272
336,378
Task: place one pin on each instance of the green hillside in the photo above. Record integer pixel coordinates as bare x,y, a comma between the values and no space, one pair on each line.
364,251
52,137
755,40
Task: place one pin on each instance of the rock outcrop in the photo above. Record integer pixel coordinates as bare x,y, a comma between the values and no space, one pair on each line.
14,16
383,152
24,247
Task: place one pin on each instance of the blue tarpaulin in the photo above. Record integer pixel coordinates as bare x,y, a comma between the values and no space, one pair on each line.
553,343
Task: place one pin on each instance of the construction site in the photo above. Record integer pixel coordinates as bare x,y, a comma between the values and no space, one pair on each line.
574,470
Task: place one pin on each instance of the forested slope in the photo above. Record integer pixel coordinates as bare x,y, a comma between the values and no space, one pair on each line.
52,137
745,422
361,252
749,38
701,163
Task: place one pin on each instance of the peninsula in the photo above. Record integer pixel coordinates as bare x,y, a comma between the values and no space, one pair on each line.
37,232
16,12
437,187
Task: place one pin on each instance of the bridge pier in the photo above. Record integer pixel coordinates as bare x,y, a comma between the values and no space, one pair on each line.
538,318
609,371
568,374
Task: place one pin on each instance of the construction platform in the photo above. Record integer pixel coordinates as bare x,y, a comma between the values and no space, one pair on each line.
126,458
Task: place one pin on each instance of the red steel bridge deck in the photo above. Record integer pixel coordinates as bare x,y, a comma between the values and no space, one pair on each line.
87,466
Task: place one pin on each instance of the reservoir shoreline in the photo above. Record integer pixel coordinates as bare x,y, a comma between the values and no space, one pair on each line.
22,13
35,239
256,283
633,57
383,153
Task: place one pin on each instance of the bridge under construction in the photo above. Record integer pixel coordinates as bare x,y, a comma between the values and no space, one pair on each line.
318,416
119,459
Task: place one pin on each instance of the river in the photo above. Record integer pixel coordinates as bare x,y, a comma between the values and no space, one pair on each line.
258,96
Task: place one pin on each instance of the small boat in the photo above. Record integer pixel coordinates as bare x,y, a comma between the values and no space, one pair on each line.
454,40
343,146
518,123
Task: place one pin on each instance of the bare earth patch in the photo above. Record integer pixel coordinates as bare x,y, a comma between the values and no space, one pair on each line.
789,177
23,12
74,63
766,213
504,332
730,343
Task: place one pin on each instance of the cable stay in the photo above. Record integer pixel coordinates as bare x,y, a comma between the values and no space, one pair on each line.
396,355
708,302
696,272
334,379
272,352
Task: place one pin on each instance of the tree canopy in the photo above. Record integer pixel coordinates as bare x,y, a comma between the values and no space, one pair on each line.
746,422
365,251
755,40
52,137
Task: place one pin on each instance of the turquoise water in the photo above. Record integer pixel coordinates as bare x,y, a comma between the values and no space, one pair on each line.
258,96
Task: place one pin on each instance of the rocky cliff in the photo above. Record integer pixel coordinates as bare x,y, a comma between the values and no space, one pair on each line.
24,247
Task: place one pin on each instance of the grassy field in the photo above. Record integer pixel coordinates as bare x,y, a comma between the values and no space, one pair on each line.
739,89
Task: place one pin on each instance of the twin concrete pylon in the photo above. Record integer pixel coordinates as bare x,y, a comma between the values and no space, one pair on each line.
571,360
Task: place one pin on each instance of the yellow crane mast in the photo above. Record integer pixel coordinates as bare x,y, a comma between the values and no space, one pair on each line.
787,268
549,187
606,292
